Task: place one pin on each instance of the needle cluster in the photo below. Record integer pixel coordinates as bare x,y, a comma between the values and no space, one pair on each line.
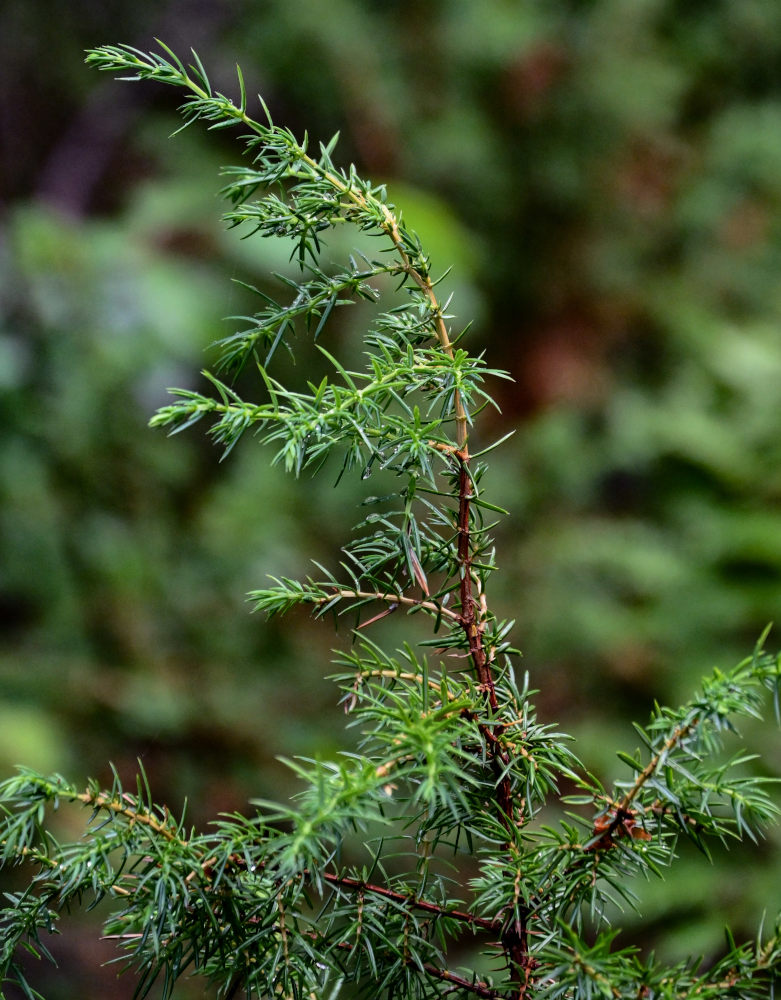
460,848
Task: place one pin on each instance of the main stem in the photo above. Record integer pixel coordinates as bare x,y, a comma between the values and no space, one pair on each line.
473,613
473,608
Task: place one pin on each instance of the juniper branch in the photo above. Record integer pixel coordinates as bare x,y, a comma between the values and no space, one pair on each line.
451,758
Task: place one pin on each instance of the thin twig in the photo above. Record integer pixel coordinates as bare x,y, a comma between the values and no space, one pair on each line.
409,899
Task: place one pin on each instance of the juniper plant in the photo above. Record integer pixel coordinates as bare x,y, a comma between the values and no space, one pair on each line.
435,839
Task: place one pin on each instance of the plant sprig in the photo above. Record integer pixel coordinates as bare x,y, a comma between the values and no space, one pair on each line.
445,823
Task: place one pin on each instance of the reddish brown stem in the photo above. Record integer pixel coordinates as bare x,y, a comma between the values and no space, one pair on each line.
470,608
515,937
479,989
345,882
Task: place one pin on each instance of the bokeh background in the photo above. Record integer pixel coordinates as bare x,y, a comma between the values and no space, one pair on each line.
605,179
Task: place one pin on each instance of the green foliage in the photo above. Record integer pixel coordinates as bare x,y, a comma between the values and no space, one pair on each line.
442,830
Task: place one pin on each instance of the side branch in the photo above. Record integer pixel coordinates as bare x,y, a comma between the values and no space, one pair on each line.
357,885
680,734
474,986
620,818
388,598
120,807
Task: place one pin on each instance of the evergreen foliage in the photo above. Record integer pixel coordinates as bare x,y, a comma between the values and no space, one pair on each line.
460,848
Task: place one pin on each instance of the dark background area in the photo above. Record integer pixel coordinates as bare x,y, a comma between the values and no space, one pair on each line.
605,179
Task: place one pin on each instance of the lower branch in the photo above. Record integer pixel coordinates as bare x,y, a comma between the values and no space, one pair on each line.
353,884
474,986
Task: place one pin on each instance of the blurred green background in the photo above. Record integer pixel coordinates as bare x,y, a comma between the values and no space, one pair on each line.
605,178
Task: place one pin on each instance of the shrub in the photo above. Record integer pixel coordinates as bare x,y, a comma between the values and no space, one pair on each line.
458,847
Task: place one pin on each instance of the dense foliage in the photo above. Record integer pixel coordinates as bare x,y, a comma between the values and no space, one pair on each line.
444,819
